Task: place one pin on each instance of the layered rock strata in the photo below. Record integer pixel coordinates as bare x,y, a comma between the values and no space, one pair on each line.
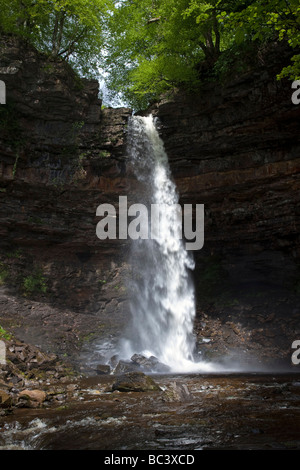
62,155
236,148
233,147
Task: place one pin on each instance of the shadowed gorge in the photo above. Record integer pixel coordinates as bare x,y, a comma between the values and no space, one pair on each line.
66,298
234,150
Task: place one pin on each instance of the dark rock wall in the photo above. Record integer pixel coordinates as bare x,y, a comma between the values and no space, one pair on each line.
61,156
236,148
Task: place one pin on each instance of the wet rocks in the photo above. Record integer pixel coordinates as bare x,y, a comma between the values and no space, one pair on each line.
32,398
28,373
26,362
135,382
177,392
137,363
102,369
113,362
126,366
140,363
150,364
27,357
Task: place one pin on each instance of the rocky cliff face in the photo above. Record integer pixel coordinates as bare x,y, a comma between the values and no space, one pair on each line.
61,156
234,148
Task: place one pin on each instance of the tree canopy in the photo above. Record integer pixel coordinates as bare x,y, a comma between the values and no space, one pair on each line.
154,45
70,29
146,47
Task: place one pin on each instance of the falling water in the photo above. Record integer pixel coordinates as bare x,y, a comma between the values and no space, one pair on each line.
162,292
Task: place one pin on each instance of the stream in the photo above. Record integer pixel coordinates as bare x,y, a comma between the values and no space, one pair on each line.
253,411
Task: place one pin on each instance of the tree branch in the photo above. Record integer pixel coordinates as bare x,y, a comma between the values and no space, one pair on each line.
71,47
154,20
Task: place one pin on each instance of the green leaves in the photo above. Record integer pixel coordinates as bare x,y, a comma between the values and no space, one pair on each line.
265,21
153,46
69,29
147,47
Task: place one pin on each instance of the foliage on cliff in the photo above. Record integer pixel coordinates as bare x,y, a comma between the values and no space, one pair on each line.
70,29
155,45
149,46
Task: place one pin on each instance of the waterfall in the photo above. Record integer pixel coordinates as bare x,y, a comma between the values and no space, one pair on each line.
162,299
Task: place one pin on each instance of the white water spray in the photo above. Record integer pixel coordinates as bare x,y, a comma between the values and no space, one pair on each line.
162,292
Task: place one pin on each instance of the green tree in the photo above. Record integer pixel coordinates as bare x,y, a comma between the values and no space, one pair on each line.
262,20
70,29
155,45
209,28
147,47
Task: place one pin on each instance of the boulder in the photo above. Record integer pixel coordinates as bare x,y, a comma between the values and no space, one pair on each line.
32,398
126,366
151,364
177,393
135,382
5,399
102,369
114,360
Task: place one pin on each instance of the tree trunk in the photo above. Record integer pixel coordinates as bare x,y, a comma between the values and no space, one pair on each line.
58,32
